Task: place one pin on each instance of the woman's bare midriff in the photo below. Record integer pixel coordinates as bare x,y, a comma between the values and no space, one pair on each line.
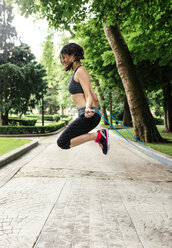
79,100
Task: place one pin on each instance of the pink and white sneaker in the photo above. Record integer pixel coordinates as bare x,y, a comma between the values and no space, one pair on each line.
103,140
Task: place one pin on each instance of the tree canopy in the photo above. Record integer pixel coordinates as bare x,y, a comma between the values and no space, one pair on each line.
21,77
144,26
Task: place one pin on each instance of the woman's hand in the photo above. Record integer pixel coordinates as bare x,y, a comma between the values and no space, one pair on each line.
89,112
101,112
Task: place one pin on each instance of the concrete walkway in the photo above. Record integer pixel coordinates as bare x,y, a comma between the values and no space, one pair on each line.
79,198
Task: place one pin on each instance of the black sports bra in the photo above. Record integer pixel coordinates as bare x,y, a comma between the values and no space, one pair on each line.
73,86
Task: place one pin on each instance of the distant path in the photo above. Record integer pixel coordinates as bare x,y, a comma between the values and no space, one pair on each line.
80,198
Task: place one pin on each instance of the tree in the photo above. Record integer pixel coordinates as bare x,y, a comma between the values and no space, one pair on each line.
99,61
150,43
143,121
50,64
11,81
21,88
21,77
8,33
156,78
113,14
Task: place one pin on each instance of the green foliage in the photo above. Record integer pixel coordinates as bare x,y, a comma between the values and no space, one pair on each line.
21,55
46,117
99,59
56,118
57,94
145,25
147,31
21,87
159,121
31,129
11,84
155,100
8,33
48,59
22,121
21,78
66,119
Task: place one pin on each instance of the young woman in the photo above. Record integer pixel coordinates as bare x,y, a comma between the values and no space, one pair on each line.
85,100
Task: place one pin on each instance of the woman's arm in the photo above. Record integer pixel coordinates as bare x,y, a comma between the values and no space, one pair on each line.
95,99
83,78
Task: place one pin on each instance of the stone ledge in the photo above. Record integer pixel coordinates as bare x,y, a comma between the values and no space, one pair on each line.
164,159
10,156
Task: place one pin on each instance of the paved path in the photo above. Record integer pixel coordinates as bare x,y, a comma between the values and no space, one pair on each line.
79,198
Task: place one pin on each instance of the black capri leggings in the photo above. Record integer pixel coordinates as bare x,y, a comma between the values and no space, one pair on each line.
79,126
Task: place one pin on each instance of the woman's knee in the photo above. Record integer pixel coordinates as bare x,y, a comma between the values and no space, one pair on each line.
63,144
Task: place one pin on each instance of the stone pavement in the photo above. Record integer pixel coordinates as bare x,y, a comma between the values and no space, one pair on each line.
79,198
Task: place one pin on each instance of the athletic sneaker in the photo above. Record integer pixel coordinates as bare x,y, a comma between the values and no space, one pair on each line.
103,140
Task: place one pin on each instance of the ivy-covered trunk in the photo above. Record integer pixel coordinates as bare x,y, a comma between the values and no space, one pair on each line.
143,121
127,115
167,108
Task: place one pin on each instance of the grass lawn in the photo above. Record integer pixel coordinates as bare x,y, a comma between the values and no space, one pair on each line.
46,123
9,144
161,147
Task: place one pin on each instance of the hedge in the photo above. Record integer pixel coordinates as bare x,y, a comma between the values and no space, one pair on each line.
159,121
46,117
22,121
56,118
67,119
31,129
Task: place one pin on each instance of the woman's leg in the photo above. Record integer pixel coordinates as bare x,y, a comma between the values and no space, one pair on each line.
82,139
78,132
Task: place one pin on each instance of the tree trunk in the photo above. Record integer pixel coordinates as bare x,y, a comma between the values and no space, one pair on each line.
167,108
143,121
1,110
110,106
5,118
62,110
127,115
0,120
102,99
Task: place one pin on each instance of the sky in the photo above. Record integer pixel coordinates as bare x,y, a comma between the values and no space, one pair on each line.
32,33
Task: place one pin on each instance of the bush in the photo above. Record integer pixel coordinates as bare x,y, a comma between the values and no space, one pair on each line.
22,121
67,119
56,118
159,121
64,116
46,117
30,129
34,116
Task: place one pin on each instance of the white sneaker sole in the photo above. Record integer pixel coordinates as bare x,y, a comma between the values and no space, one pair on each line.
107,140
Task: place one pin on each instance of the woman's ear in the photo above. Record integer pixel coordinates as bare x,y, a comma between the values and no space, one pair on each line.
73,58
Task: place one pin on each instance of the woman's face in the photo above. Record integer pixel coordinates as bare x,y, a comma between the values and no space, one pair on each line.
67,59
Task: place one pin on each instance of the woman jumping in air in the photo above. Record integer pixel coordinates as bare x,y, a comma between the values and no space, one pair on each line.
85,100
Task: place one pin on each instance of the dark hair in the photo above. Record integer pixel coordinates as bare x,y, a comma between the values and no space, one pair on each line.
72,48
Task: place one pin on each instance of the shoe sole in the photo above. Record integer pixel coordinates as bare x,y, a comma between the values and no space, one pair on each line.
107,140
